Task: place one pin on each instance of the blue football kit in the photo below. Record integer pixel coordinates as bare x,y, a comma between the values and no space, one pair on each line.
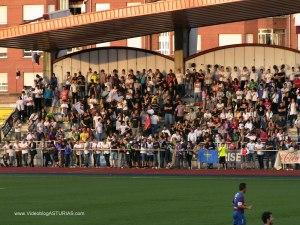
238,213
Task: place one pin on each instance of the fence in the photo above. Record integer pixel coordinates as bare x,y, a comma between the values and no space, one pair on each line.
159,157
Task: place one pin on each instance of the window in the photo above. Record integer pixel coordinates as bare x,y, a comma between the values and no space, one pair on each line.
75,10
164,43
51,8
133,4
297,19
3,15
3,82
199,43
102,7
64,4
29,78
271,37
279,37
3,53
134,42
28,53
31,12
265,36
230,39
249,38
105,44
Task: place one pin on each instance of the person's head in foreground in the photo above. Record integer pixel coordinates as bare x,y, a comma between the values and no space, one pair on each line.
267,218
242,187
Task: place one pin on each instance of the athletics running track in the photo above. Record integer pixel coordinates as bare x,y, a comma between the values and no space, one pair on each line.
148,172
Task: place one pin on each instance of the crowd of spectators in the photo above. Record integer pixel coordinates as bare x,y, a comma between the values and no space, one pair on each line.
166,117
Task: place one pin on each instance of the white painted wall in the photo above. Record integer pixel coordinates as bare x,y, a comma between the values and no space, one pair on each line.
258,56
110,59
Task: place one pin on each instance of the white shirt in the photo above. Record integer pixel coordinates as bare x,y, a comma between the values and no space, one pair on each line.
251,147
17,147
254,96
123,128
268,77
40,127
239,94
143,148
78,148
192,137
154,119
86,148
175,136
94,146
229,116
99,145
106,147
20,105
207,115
150,148
249,125
99,127
244,75
258,148
179,78
293,109
235,75
24,147
253,76
38,92
166,131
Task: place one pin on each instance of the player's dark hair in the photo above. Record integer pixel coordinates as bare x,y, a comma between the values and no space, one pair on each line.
242,186
265,216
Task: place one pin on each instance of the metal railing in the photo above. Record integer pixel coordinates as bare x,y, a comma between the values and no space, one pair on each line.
160,158
9,124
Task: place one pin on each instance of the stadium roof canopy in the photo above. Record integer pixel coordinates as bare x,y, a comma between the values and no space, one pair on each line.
158,17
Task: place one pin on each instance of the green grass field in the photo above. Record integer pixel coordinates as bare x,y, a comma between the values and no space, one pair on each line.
143,200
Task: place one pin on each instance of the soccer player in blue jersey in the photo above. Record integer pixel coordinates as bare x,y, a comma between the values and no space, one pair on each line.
239,206
267,218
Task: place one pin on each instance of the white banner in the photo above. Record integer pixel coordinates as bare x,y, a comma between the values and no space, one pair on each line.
287,157
233,157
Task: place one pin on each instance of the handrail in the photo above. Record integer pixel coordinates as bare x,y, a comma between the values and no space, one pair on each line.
9,123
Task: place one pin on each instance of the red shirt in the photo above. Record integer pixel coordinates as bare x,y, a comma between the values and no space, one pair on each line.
244,151
64,95
297,83
263,136
267,104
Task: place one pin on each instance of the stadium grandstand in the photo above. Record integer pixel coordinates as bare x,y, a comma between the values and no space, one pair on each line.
149,119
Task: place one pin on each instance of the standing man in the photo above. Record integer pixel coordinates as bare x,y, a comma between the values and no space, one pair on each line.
267,218
239,206
223,150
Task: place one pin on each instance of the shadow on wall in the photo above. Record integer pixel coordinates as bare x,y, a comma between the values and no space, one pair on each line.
110,58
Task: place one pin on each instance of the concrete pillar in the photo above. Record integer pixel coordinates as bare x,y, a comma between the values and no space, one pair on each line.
185,45
48,57
181,51
193,38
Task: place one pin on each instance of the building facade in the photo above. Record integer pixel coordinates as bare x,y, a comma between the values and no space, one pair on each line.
279,31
